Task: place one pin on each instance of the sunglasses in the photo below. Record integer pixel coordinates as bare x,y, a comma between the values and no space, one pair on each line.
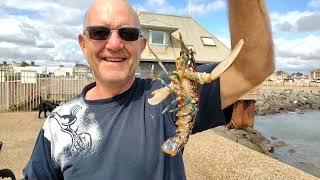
103,33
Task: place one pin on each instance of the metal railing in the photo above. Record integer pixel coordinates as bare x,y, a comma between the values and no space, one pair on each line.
23,91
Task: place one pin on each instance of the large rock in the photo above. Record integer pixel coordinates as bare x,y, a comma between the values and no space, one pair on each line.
248,137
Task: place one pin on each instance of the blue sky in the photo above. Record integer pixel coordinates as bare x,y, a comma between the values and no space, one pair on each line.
45,31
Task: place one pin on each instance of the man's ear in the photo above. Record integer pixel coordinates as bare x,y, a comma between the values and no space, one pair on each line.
81,42
143,43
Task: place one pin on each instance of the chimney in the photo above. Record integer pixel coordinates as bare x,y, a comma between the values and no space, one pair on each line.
32,63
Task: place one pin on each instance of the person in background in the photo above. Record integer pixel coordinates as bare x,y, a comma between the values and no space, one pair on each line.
114,133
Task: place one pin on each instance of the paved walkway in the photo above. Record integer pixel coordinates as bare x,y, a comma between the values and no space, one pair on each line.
18,133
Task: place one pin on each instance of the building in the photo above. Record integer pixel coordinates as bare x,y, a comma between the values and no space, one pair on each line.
315,75
6,71
279,76
51,71
82,70
162,32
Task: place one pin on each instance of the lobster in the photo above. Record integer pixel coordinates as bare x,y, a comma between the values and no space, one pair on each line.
184,83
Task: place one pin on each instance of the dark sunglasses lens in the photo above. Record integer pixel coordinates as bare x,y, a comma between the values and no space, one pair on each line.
129,34
99,33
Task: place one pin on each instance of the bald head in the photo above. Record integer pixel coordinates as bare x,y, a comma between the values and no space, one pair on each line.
111,13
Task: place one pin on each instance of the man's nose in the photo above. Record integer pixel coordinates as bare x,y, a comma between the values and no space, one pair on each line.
114,42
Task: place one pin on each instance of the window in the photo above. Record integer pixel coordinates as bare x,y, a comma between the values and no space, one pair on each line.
208,41
157,37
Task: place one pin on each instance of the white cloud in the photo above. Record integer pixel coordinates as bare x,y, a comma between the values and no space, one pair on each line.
306,48
197,7
156,2
159,6
298,54
203,7
38,30
292,65
15,31
296,21
34,5
297,45
82,5
309,23
314,3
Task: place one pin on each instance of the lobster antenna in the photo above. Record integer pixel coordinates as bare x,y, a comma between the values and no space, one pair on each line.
158,59
183,46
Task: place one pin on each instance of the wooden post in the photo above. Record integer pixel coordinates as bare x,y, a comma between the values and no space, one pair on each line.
243,114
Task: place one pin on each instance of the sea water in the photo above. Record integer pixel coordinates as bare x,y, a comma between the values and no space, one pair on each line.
301,134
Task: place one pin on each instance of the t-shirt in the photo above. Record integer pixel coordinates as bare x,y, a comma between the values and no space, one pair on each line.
118,138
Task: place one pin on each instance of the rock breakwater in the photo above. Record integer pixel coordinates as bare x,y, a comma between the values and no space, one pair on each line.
276,101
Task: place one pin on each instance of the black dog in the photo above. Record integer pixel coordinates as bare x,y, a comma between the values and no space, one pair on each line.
7,173
45,106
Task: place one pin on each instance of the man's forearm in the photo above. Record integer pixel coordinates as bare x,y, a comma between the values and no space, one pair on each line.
249,20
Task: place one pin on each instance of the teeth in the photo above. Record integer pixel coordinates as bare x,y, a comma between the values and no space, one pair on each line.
114,59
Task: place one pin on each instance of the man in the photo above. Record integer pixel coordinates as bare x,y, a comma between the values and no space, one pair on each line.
114,133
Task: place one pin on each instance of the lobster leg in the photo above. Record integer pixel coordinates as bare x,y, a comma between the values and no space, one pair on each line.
163,82
192,111
182,105
167,108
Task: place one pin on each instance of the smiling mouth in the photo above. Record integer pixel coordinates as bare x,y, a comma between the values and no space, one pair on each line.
114,59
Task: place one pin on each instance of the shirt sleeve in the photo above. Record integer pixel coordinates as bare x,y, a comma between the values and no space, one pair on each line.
41,165
210,113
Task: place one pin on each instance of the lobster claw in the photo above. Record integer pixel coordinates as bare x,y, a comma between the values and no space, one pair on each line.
159,95
217,71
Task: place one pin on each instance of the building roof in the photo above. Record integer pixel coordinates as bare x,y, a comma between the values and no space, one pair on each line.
191,32
78,65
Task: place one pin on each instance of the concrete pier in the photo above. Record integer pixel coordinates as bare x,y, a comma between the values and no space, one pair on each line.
209,156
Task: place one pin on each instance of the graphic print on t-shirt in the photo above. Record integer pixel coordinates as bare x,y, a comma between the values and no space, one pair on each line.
80,141
72,132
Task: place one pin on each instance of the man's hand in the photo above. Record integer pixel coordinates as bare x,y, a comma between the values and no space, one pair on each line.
249,20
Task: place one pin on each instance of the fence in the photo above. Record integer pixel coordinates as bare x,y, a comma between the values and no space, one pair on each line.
291,84
23,91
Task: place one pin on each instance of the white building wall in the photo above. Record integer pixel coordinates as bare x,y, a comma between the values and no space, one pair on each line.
60,71
56,71
28,77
